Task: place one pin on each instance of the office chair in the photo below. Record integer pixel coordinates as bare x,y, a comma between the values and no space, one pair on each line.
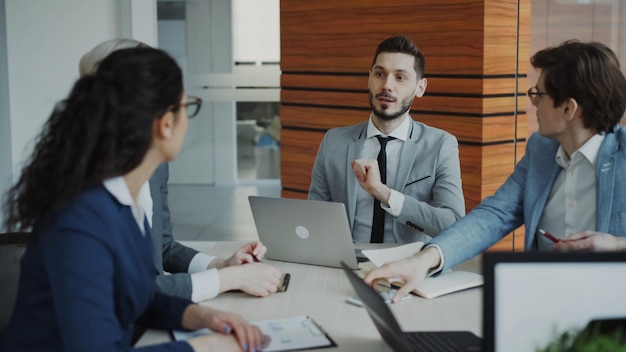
12,247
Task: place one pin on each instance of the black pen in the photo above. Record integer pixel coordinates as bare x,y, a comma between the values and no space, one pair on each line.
284,282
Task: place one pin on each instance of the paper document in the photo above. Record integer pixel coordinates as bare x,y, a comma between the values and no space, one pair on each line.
385,255
296,333
431,287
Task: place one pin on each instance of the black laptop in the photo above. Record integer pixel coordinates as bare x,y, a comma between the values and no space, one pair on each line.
387,325
532,300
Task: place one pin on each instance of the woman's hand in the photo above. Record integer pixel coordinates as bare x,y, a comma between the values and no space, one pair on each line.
248,337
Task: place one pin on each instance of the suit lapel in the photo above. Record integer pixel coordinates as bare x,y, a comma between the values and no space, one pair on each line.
541,173
408,154
355,146
544,189
157,226
605,181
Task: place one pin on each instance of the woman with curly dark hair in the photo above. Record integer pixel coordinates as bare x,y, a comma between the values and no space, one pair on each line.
87,276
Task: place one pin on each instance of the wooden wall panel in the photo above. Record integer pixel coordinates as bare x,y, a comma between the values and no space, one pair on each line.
476,106
298,151
461,85
319,118
341,36
501,26
473,130
475,65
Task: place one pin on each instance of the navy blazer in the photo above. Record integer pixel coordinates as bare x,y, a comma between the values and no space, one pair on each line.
86,278
523,197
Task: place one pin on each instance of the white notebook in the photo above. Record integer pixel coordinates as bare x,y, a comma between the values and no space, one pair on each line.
447,282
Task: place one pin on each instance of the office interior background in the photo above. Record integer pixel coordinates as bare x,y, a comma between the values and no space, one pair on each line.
253,64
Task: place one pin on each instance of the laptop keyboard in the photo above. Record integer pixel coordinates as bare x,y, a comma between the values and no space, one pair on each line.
432,342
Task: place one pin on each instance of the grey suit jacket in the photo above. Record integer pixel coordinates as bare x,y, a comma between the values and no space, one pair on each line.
169,255
429,176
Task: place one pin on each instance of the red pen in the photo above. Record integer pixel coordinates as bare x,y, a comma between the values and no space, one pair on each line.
549,236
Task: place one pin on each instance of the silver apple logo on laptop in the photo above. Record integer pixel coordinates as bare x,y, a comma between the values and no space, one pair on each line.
302,232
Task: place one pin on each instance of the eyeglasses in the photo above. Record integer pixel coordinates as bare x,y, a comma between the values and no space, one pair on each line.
192,105
534,94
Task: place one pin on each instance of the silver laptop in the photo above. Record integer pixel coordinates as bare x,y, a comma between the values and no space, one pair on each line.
402,341
304,231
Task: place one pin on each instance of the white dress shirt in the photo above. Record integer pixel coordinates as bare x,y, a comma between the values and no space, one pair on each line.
119,190
571,206
365,202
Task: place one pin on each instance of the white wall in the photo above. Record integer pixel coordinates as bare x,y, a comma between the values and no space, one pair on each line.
6,171
256,30
209,152
44,43
45,40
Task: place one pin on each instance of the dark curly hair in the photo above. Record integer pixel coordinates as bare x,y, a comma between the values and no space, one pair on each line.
590,74
102,130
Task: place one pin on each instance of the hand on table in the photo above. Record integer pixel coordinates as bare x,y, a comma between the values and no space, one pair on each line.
248,253
256,279
591,241
411,271
233,333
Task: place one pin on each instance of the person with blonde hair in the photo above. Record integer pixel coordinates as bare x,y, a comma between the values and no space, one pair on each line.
195,275
87,276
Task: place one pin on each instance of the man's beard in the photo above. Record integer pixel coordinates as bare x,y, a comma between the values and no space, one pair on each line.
385,116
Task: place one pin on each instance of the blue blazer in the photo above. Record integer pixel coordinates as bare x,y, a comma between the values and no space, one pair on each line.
86,278
523,197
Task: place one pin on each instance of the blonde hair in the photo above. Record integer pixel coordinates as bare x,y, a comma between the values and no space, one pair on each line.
90,61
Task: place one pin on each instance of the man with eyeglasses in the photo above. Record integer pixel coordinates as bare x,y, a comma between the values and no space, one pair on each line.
571,183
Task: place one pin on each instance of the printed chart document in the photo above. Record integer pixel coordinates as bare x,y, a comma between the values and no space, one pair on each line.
288,334
447,282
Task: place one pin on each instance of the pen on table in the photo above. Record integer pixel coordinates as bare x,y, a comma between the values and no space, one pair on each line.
284,282
549,236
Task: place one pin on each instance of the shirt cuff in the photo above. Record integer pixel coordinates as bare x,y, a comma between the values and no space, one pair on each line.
199,263
205,285
396,201
437,270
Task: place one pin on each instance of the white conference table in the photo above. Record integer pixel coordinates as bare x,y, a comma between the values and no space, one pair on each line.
321,292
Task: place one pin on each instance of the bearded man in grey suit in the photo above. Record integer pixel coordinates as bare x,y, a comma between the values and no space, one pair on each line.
422,193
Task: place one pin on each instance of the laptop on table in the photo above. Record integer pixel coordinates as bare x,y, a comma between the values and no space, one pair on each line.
304,231
390,330
532,299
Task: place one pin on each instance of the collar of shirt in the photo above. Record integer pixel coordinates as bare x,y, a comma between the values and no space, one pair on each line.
401,132
118,188
589,150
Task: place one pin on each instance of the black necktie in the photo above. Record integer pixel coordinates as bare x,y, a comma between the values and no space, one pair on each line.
378,219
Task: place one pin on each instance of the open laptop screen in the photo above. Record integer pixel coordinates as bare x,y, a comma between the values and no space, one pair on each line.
530,299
